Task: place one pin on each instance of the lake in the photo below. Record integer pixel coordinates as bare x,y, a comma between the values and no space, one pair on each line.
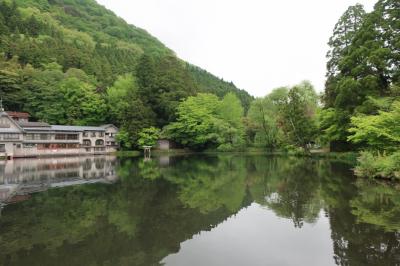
195,210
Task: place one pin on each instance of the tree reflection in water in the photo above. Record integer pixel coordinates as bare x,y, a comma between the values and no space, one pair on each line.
158,204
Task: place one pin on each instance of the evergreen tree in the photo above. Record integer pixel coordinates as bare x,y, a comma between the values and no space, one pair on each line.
297,115
343,36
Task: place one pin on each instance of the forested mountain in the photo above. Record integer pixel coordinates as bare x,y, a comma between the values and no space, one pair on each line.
74,61
207,82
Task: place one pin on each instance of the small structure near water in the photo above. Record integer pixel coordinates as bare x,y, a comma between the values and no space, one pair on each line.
166,144
163,144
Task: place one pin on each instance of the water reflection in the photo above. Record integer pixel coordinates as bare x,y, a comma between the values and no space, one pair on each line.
21,177
202,210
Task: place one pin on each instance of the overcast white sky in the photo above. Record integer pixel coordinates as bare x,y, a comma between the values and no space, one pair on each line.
257,44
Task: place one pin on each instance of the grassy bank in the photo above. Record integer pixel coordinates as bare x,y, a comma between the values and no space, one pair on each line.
378,165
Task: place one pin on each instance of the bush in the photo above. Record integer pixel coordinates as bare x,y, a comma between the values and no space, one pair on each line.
226,147
294,150
378,165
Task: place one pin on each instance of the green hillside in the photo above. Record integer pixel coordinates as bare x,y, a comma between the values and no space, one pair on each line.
73,61
207,82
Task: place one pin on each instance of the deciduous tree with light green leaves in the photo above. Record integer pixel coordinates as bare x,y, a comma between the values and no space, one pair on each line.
148,136
204,121
263,114
379,132
380,135
298,115
64,98
127,109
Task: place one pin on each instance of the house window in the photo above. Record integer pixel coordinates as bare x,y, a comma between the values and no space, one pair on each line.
60,136
72,137
93,134
29,145
67,136
2,147
10,136
101,134
87,142
44,136
37,136
99,142
85,134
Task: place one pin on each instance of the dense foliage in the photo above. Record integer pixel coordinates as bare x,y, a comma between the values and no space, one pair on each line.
286,117
361,100
204,121
363,65
79,63
148,136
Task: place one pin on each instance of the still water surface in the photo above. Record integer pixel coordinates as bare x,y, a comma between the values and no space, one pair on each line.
195,210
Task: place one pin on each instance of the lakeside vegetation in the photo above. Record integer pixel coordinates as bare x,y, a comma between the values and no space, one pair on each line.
75,62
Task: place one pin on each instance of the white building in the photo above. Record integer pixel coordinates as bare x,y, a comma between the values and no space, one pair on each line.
21,138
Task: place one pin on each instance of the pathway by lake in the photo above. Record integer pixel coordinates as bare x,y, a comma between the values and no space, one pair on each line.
195,210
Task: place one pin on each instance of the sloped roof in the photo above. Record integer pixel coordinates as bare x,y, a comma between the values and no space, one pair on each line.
32,124
4,114
9,130
108,125
18,114
39,129
76,128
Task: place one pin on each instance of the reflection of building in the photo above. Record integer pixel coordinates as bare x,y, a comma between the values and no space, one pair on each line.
24,176
21,138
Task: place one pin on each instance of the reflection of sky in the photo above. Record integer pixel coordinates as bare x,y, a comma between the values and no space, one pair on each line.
256,236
